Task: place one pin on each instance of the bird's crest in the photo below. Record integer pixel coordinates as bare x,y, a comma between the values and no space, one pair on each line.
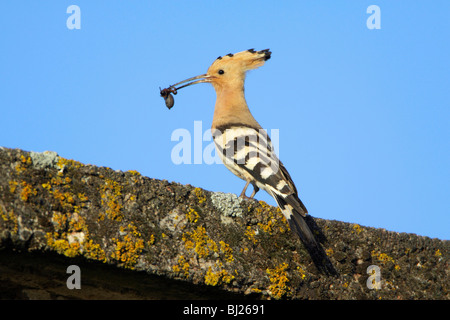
244,60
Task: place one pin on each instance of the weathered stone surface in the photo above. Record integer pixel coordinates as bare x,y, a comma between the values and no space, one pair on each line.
159,234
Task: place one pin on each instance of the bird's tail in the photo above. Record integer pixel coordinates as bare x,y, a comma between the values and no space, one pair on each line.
299,226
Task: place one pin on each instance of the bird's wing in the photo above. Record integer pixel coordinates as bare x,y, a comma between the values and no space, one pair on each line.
251,151
248,152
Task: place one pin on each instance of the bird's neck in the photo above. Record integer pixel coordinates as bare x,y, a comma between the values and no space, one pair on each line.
231,108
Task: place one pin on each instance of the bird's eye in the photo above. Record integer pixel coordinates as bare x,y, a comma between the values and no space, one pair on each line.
221,71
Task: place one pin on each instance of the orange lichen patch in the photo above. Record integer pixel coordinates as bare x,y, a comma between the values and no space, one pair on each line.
27,191
200,195
274,217
151,240
70,232
94,251
71,236
384,258
199,240
134,172
192,215
59,221
12,186
71,244
357,228
301,272
23,164
62,162
77,223
128,248
329,252
61,244
219,276
227,251
26,161
182,266
61,189
111,194
205,247
278,279
82,197
251,235
66,199
10,219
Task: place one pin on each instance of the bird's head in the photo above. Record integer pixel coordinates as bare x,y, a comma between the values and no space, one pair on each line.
230,70
226,72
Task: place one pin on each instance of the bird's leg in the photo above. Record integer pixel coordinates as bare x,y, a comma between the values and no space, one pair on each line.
243,191
255,190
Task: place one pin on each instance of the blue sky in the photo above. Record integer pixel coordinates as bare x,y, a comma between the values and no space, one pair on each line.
363,115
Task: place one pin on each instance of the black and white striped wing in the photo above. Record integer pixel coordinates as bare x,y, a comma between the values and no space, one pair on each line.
248,153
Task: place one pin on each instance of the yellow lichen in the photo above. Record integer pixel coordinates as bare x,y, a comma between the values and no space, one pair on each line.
66,199
94,251
244,250
71,236
301,272
12,186
134,172
227,251
357,228
218,277
129,247
329,251
59,221
62,162
82,197
188,244
111,194
182,266
26,161
60,188
250,234
151,241
47,186
61,244
199,240
10,219
192,215
278,279
77,223
384,258
27,191
275,220
23,164
200,195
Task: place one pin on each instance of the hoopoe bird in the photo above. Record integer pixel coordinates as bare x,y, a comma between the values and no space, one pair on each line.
242,144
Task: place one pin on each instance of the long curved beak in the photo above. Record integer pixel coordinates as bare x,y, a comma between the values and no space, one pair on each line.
202,78
167,92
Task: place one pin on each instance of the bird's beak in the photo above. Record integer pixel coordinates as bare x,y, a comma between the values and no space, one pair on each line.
167,92
199,79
